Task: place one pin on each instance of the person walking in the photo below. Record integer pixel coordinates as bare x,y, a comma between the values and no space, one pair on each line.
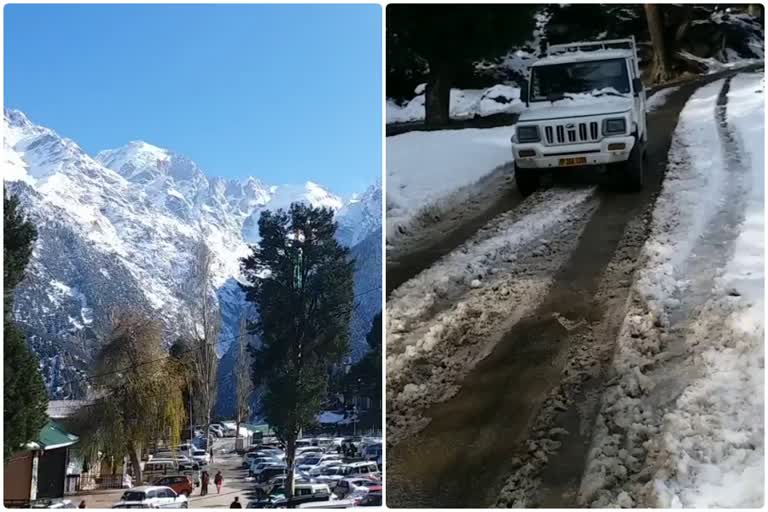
82,504
236,503
205,477
218,480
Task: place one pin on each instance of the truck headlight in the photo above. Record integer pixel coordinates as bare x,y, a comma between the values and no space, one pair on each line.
528,134
615,126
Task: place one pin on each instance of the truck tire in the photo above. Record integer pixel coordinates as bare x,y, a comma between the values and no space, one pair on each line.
634,169
527,180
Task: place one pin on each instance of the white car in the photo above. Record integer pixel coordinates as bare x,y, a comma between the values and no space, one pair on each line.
202,457
349,488
152,497
586,108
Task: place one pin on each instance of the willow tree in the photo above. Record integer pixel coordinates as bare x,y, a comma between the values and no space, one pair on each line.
139,396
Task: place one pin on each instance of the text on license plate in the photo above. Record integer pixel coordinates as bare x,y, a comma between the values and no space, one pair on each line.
581,160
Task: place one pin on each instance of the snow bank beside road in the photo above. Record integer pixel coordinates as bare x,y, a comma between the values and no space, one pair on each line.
683,423
425,169
658,99
714,436
465,103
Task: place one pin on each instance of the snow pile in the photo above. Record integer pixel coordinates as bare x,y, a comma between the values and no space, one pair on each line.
658,99
449,317
713,65
715,434
465,103
683,424
425,169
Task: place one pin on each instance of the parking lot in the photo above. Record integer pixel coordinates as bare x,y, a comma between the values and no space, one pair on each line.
237,483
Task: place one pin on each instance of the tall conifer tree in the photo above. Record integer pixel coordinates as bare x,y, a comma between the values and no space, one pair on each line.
301,284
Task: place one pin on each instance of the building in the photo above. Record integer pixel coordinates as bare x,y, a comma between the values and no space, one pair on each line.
39,470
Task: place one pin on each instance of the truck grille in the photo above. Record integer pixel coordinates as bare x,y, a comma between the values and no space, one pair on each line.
571,133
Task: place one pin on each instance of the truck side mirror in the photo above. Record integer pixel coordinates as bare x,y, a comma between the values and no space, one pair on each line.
524,92
637,86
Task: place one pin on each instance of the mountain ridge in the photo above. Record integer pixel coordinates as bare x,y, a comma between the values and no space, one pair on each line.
116,230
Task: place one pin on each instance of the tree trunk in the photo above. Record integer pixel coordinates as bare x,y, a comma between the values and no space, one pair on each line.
133,453
437,99
661,71
290,456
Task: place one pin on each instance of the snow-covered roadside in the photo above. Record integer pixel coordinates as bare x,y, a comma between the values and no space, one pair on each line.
449,317
430,172
683,423
714,436
464,104
659,98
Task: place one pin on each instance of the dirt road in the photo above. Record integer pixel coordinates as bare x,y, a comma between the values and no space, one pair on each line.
542,379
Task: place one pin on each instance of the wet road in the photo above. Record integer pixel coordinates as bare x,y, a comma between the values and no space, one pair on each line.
463,457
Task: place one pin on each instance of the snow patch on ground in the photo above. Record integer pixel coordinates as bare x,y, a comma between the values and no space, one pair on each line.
424,169
464,104
713,65
658,99
682,426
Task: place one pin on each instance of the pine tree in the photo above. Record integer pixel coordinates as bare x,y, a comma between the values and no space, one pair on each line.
300,281
365,377
25,398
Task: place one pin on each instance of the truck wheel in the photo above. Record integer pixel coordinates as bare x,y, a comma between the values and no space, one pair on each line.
634,169
527,181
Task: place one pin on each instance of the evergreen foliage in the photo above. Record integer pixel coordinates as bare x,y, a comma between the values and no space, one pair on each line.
300,281
25,398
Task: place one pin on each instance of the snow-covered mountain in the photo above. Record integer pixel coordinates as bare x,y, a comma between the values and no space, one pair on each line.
117,230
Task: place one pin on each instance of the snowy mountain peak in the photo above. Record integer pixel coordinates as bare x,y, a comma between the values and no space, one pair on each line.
16,118
117,230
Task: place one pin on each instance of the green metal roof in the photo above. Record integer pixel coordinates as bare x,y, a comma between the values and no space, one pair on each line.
53,435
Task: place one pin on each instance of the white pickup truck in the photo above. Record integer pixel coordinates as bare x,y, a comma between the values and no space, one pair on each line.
586,107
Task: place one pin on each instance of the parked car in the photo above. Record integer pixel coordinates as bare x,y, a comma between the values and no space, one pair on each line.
200,456
53,503
365,469
259,463
372,452
351,487
157,468
182,484
152,497
269,472
372,499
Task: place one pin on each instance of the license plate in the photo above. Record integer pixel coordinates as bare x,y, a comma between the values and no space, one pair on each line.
581,160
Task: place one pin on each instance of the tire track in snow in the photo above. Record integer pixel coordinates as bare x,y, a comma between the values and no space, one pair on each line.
691,242
446,319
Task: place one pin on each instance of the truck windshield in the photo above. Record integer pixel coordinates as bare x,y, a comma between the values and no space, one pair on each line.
558,81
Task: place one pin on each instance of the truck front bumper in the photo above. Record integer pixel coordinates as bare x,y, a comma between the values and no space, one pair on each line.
550,157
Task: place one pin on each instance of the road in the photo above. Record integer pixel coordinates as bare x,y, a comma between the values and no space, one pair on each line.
225,460
539,385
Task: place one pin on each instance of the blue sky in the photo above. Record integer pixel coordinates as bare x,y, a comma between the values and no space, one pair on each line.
286,93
